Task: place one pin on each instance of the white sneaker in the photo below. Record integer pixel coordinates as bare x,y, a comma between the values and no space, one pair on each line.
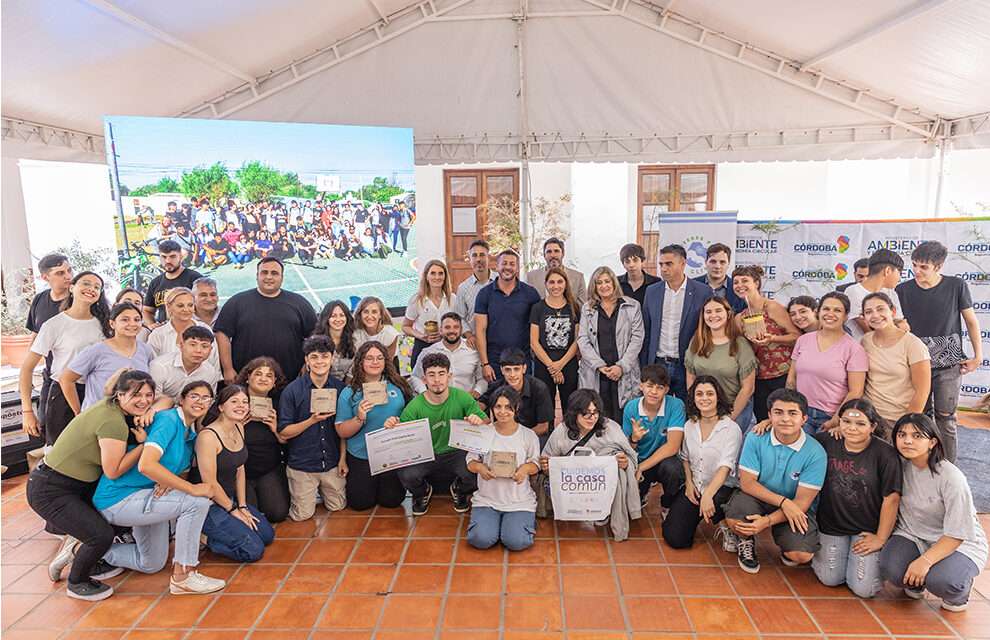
195,583
955,608
730,541
63,558
914,594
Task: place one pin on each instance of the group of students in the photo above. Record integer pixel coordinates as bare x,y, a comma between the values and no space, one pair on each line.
237,233
668,387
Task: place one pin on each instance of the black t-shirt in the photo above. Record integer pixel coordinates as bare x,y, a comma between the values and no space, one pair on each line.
265,452
536,405
855,486
43,308
261,326
639,295
557,327
155,296
934,317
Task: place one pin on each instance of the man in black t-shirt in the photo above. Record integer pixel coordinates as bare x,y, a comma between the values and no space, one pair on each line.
57,272
937,304
536,409
266,321
175,275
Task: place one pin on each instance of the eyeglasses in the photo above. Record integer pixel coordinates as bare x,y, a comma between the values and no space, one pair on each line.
198,397
594,413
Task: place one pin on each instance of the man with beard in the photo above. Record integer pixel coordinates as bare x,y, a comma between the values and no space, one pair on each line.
501,314
175,275
465,365
553,253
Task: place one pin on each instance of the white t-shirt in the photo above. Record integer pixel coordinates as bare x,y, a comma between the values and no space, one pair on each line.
164,339
421,311
856,293
706,457
505,494
387,336
64,337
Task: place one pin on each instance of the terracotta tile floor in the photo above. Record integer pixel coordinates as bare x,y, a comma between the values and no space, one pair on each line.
383,575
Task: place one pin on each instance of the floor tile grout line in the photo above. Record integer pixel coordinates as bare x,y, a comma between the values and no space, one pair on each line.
618,584
800,600
560,579
395,575
452,563
715,549
340,576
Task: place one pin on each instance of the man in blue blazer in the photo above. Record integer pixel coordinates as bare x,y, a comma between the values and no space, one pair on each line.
670,316
717,261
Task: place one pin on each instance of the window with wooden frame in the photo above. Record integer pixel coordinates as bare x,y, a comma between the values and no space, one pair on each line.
465,191
663,188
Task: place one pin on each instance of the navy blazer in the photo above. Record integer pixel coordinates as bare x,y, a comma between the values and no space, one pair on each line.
696,295
737,303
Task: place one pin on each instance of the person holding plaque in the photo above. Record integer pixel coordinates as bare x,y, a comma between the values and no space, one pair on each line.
267,488
439,404
503,509
362,410
306,415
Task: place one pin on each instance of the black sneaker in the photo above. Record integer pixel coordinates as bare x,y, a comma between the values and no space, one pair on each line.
91,590
462,502
103,570
421,505
124,537
746,555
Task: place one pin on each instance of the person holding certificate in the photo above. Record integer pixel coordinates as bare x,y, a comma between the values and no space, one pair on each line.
360,413
306,415
503,509
439,404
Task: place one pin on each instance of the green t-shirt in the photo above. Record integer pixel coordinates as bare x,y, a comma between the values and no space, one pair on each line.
728,370
76,452
459,404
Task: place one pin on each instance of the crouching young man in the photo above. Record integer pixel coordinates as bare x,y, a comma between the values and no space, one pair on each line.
780,474
439,404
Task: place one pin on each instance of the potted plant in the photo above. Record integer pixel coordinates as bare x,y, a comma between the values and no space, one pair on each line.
16,302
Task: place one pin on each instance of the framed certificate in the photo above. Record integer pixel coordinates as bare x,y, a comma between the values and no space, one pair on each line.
406,444
469,437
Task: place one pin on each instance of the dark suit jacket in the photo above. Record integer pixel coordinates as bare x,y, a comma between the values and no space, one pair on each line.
737,303
696,295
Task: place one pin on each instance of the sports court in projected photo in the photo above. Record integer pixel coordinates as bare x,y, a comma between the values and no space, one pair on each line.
337,204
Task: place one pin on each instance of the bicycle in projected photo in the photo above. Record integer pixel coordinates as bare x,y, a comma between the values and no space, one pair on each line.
137,270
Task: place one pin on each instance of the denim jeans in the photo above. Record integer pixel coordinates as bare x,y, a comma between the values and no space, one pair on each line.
515,529
950,579
943,403
745,417
150,518
836,563
816,419
678,378
231,538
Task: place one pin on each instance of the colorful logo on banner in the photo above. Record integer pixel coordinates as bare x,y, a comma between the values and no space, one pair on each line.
841,271
842,242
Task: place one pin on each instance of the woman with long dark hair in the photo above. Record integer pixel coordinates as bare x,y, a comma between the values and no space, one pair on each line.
938,544
153,494
337,322
857,506
233,528
711,446
84,320
267,487
357,417
553,328
60,488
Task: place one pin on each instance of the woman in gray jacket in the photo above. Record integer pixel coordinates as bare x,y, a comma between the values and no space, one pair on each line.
610,338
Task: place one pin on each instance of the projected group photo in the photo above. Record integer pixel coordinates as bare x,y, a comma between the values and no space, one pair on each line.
336,204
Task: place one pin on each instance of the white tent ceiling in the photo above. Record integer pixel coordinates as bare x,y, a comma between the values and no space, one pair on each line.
629,80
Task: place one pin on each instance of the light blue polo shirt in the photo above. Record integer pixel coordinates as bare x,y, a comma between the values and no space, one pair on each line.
347,404
167,433
781,468
670,417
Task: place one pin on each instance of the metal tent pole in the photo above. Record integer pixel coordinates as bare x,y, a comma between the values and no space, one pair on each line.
524,187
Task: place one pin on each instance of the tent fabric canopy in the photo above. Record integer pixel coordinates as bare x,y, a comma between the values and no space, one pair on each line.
603,80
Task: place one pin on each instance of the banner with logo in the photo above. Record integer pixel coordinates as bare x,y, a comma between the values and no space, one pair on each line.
582,487
811,258
695,231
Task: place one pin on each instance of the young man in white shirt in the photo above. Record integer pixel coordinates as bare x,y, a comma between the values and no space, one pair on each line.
173,371
465,364
885,273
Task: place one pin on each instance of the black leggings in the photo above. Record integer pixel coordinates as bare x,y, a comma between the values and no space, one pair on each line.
682,521
669,474
364,490
270,494
67,504
565,389
58,413
762,391
418,346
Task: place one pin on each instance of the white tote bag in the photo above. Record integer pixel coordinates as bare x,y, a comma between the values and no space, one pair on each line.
582,487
